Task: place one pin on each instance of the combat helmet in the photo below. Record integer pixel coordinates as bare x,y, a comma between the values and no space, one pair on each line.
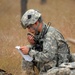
30,17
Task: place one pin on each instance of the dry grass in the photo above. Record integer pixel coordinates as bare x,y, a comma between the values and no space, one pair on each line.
61,13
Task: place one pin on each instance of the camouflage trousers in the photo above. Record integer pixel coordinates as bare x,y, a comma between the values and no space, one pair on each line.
60,71
30,68
38,69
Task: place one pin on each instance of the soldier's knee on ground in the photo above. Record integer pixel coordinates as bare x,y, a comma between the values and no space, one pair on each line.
26,65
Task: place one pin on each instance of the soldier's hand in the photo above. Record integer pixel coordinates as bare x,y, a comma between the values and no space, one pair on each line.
31,39
24,50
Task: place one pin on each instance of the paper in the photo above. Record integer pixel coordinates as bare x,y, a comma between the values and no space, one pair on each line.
26,57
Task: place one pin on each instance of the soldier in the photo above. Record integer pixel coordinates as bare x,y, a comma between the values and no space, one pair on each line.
48,47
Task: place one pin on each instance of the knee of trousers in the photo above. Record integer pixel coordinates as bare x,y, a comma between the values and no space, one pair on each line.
26,65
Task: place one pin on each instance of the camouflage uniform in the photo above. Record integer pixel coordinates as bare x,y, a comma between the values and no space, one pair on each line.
55,50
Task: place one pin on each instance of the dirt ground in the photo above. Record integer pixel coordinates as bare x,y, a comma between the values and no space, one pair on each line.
61,14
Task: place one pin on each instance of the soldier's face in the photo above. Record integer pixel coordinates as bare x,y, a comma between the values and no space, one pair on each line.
32,28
